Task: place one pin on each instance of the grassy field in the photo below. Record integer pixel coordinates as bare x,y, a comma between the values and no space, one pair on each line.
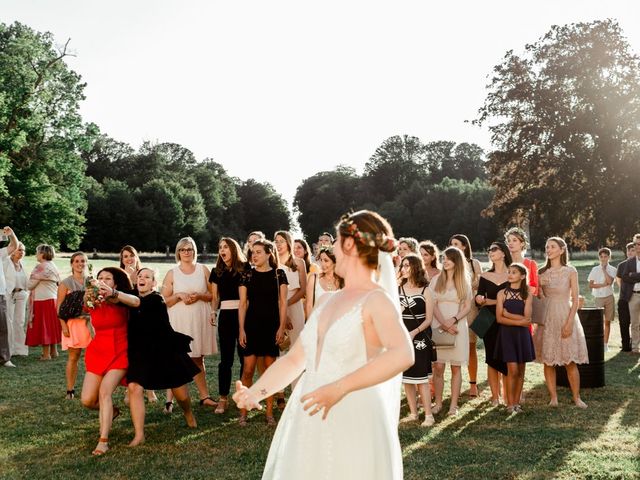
44,436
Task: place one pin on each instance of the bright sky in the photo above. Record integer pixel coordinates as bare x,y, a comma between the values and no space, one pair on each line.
279,90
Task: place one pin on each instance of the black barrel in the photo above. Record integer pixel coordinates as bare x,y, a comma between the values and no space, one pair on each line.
591,374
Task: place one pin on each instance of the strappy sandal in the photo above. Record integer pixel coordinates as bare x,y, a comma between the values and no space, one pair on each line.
242,421
222,406
70,394
168,408
203,404
271,421
101,451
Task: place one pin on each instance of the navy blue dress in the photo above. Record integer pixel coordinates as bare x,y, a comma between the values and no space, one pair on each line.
514,343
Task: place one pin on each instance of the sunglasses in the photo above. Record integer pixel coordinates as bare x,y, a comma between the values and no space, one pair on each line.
493,249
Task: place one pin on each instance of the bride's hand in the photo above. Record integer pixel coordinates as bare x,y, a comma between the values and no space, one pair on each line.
244,398
323,398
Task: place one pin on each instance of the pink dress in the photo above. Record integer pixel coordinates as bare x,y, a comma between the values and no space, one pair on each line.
551,348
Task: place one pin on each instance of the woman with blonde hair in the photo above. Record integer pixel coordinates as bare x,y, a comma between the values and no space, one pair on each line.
451,292
44,327
187,293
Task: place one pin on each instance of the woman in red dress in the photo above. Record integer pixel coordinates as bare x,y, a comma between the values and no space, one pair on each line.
106,356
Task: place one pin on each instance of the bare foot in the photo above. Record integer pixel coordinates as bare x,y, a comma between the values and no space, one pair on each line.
191,420
136,441
553,402
580,404
473,390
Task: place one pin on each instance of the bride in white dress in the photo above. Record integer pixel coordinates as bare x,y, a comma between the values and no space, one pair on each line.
341,421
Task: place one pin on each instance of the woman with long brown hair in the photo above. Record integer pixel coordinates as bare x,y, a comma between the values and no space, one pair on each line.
430,258
560,340
75,331
452,298
225,282
325,282
417,314
262,316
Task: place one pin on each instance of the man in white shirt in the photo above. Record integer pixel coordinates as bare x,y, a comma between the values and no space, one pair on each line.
601,281
5,353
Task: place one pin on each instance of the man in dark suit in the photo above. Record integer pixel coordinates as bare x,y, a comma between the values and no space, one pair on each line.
623,305
629,274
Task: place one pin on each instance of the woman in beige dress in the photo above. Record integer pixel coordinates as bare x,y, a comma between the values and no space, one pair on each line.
560,341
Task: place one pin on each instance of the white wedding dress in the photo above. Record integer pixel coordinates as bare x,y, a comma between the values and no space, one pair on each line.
359,438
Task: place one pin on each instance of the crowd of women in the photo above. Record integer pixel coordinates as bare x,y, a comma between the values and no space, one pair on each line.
254,304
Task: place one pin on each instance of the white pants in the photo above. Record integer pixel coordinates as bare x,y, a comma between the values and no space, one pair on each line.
16,313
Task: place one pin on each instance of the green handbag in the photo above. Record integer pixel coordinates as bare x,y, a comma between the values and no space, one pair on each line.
483,322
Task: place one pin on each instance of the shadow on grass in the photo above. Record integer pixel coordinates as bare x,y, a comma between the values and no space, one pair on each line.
542,442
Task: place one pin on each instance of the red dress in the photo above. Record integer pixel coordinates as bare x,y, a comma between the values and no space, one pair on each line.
108,349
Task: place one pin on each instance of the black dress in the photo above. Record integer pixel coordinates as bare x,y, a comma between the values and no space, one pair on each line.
262,320
158,355
413,314
493,357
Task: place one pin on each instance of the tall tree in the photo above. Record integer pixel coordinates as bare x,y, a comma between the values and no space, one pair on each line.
260,207
564,119
41,136
393,167
323,197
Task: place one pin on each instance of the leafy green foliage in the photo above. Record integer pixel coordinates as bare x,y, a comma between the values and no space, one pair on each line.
564,119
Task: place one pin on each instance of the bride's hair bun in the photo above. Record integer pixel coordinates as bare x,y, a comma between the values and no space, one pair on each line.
371,232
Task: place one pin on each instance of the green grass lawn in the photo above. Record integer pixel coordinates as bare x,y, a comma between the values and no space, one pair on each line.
44,436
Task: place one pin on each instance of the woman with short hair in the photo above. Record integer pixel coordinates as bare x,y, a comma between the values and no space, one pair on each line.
187,293
44,327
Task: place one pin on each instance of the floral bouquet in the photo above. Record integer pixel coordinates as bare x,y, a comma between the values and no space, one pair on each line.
92,297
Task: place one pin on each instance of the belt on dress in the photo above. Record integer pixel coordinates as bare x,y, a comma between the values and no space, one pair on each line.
229,304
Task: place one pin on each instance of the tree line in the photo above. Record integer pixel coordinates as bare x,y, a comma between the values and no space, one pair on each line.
563,116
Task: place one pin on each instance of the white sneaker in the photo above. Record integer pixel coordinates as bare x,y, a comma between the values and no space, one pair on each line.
606,347
9,363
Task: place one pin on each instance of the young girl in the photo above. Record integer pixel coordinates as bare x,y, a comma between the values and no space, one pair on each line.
44,328
513,313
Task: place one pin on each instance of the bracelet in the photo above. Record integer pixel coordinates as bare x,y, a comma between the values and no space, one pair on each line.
456,319
115,294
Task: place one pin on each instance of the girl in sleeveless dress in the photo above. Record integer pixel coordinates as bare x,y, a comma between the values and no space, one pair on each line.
225,282
75,331
106,356
417,312
560,340
342,419
514,345
187,292
325,282
262,316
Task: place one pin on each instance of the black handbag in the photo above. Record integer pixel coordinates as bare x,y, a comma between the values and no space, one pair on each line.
483,322
72,305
